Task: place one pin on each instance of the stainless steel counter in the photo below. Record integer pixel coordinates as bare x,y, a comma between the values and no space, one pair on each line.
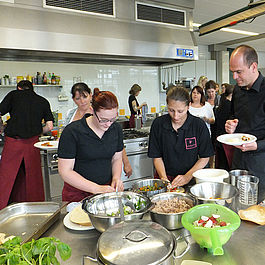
245,247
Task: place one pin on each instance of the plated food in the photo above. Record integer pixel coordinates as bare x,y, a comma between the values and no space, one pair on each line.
47,145
236,138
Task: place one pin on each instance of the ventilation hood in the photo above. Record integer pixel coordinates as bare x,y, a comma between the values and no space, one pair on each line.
31,32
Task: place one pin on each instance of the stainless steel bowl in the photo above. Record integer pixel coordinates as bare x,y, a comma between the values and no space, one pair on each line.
99,208
161,184
171,221
214,192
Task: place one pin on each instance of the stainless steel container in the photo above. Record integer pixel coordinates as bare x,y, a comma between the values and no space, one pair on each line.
99,208
138,242
171,221
138,123
214,192
234,174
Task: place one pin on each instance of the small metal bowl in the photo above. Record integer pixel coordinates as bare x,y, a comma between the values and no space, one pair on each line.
171,221
161,186
99,208
213,192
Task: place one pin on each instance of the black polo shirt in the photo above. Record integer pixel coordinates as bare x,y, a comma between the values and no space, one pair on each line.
179,150
130,100
26,109
92,155
248,106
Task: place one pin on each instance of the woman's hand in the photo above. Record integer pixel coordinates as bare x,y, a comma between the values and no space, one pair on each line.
180,180
105,189
117,184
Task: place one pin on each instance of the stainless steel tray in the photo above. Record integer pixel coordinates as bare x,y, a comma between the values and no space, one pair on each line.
28,219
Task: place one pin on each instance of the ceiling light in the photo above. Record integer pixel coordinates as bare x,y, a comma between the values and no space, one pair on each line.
244,32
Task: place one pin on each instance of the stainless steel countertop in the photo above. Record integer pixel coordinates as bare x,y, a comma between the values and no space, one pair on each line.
245,247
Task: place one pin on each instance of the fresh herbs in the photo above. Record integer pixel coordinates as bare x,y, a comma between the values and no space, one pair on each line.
35,252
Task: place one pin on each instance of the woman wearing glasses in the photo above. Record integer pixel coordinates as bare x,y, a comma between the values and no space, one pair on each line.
90,151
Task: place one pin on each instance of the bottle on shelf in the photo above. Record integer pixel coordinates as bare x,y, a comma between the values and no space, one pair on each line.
53,79
39,78
44,78
49,79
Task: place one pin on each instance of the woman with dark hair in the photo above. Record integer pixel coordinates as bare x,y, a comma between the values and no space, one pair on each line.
81,95
90,151
179,143
133,104
200,108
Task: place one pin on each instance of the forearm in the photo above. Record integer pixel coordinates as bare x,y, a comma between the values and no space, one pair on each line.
48,126
160,168
201,163
125,159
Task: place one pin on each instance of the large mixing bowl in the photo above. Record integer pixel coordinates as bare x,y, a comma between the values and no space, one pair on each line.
152,186
211,238
171,221
212,192
101,207
211,175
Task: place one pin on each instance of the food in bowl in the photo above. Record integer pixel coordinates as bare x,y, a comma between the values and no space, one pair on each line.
173,205
151,187
210,222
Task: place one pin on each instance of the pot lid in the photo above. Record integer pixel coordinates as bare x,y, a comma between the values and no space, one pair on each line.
135,242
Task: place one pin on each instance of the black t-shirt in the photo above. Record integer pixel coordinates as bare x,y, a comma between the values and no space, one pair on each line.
26,109
92,155
130,100
179,150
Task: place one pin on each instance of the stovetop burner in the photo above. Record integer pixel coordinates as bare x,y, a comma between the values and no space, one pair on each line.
133,134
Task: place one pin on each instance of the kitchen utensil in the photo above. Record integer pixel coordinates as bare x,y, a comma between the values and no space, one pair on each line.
171,221
211,238
213,192
248,189
121,210
210,174
139,242
234,175
100,207
156,186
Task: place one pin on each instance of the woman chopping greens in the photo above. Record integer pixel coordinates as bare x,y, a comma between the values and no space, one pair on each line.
90,151
180,143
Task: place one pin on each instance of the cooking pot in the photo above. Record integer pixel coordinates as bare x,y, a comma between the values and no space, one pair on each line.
137,242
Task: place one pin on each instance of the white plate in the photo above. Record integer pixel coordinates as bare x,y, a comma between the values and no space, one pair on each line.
236,138
67,223
54,145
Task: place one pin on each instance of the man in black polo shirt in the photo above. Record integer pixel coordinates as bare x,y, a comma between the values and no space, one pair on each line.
248,111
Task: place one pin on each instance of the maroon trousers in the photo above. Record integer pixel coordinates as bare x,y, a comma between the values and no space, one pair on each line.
20,172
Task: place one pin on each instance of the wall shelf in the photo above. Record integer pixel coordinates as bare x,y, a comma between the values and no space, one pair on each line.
14,86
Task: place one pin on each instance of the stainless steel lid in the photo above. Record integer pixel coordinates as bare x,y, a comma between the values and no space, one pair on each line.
137,242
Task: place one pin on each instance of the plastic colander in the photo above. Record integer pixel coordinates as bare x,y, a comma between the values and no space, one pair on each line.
211,238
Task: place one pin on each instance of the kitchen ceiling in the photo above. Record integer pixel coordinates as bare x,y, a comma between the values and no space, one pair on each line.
207,10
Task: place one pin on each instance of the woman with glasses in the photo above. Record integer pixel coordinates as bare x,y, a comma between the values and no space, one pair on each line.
179,142
90,151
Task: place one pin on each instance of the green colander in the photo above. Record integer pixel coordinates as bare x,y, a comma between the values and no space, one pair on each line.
211,238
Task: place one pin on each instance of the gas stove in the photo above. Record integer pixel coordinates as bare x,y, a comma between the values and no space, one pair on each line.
134,134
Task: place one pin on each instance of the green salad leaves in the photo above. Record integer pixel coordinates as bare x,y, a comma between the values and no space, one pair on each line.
36,252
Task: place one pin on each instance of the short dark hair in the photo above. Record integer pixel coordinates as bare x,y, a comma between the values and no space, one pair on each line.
210,84
25,85
228,89
249,54
179,94
200,90
82,88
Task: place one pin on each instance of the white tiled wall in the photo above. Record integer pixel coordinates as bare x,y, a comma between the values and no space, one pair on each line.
117,79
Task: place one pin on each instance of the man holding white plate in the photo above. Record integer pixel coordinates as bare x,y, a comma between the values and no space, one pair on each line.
248,111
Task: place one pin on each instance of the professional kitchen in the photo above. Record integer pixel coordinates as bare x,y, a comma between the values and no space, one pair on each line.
132,132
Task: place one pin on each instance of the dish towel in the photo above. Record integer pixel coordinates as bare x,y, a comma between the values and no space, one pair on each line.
144,112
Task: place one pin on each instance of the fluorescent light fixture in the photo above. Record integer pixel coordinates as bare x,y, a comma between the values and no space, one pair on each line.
249,33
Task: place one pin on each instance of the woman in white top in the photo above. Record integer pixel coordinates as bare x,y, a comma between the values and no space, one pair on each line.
82,96
200,108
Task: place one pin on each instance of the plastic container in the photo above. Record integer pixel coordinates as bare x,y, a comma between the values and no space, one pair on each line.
211,175
211,238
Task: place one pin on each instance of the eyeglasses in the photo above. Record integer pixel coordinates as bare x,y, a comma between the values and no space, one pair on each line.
105,120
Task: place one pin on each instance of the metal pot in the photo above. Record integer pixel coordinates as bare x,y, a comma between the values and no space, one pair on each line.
138,242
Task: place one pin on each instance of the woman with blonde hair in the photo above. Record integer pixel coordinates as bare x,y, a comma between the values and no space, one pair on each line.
133,103
202,81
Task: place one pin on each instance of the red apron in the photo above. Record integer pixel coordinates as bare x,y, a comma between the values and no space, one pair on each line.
20,172
72,194
229,152
131,121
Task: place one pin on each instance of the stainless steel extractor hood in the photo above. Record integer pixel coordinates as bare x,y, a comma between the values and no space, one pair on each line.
31,31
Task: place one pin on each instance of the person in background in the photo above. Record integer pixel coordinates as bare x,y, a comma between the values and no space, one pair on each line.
248,115
179,143
222,115
90,151
82,96
202,81
200,108
20,165
133,104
